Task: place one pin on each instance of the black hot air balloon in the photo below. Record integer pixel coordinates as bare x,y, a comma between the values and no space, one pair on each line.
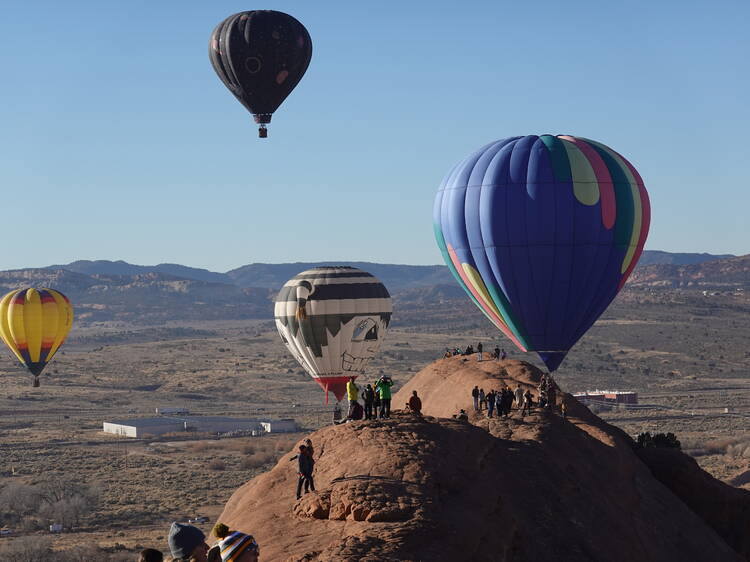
260,56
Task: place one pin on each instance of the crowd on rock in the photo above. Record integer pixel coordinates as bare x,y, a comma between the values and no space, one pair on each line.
497,354
500,402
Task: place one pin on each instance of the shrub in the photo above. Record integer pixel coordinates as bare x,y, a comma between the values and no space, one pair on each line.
217,464
658,440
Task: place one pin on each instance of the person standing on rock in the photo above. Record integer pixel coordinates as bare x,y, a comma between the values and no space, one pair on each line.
481,399
375,400
528,402
479,351
496,354
383,388
352,394
475,397
551,396
518,395
503,355
368,395
491,398
305,464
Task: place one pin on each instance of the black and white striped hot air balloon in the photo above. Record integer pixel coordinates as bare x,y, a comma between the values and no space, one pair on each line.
333,320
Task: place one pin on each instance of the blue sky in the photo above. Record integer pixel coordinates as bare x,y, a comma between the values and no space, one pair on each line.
118,141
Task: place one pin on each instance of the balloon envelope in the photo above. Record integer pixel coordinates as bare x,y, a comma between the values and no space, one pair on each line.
542,232
260,56
333,320
33,324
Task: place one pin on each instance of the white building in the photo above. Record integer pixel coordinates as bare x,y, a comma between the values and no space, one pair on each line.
153,427
279,426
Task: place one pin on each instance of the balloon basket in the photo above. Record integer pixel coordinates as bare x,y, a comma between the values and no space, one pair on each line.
262,132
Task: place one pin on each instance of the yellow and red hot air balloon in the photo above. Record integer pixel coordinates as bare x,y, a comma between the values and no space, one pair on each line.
33,324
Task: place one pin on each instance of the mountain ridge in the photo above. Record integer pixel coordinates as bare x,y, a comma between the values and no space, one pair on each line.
274,275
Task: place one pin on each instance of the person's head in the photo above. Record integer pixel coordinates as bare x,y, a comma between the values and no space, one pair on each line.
187,543
235,546
302,448
150,555
308,442
414,392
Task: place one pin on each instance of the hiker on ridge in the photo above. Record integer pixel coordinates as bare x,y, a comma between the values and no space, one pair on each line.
352,394
518,395
368,395
481,399
492,396
528,402
475,397
415,404
479,351
305,464
383,388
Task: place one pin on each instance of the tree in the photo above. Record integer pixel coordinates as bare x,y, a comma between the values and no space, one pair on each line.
27,549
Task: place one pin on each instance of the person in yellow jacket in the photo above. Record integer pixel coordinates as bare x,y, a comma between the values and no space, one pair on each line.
352,394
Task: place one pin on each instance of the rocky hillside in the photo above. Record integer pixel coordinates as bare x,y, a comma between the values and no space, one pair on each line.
537,488
725,274
106,291
149,298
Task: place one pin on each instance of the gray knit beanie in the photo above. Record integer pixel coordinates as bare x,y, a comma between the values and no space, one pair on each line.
183,539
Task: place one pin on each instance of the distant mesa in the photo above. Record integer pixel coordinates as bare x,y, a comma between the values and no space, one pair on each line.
117,291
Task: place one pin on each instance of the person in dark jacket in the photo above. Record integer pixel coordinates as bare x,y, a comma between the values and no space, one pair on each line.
475,397
375,401
479,351
305,464
415,404
491,397
368,395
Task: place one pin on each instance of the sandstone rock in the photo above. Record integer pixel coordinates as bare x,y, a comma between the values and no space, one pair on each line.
434,488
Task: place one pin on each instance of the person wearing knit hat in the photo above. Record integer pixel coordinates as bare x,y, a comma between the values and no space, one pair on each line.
187,543
235,546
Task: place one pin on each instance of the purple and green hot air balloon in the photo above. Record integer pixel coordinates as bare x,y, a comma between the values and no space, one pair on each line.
542,232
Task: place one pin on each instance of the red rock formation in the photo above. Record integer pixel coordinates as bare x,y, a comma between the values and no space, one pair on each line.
433,488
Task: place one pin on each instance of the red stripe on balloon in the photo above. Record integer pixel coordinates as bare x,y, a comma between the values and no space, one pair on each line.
603,178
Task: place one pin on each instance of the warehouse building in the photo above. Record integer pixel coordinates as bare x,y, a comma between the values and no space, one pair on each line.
610,397
152,427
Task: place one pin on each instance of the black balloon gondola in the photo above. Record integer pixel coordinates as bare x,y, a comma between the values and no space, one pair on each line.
260,56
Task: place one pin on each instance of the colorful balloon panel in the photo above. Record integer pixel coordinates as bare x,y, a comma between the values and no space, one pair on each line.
34,323
542,232
333,320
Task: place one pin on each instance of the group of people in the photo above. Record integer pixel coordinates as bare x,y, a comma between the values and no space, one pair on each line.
547,392
375,397
188,544
501,401
497,354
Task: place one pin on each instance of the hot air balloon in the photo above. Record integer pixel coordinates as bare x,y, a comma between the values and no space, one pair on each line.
542,232
260,56
333,320
33,324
